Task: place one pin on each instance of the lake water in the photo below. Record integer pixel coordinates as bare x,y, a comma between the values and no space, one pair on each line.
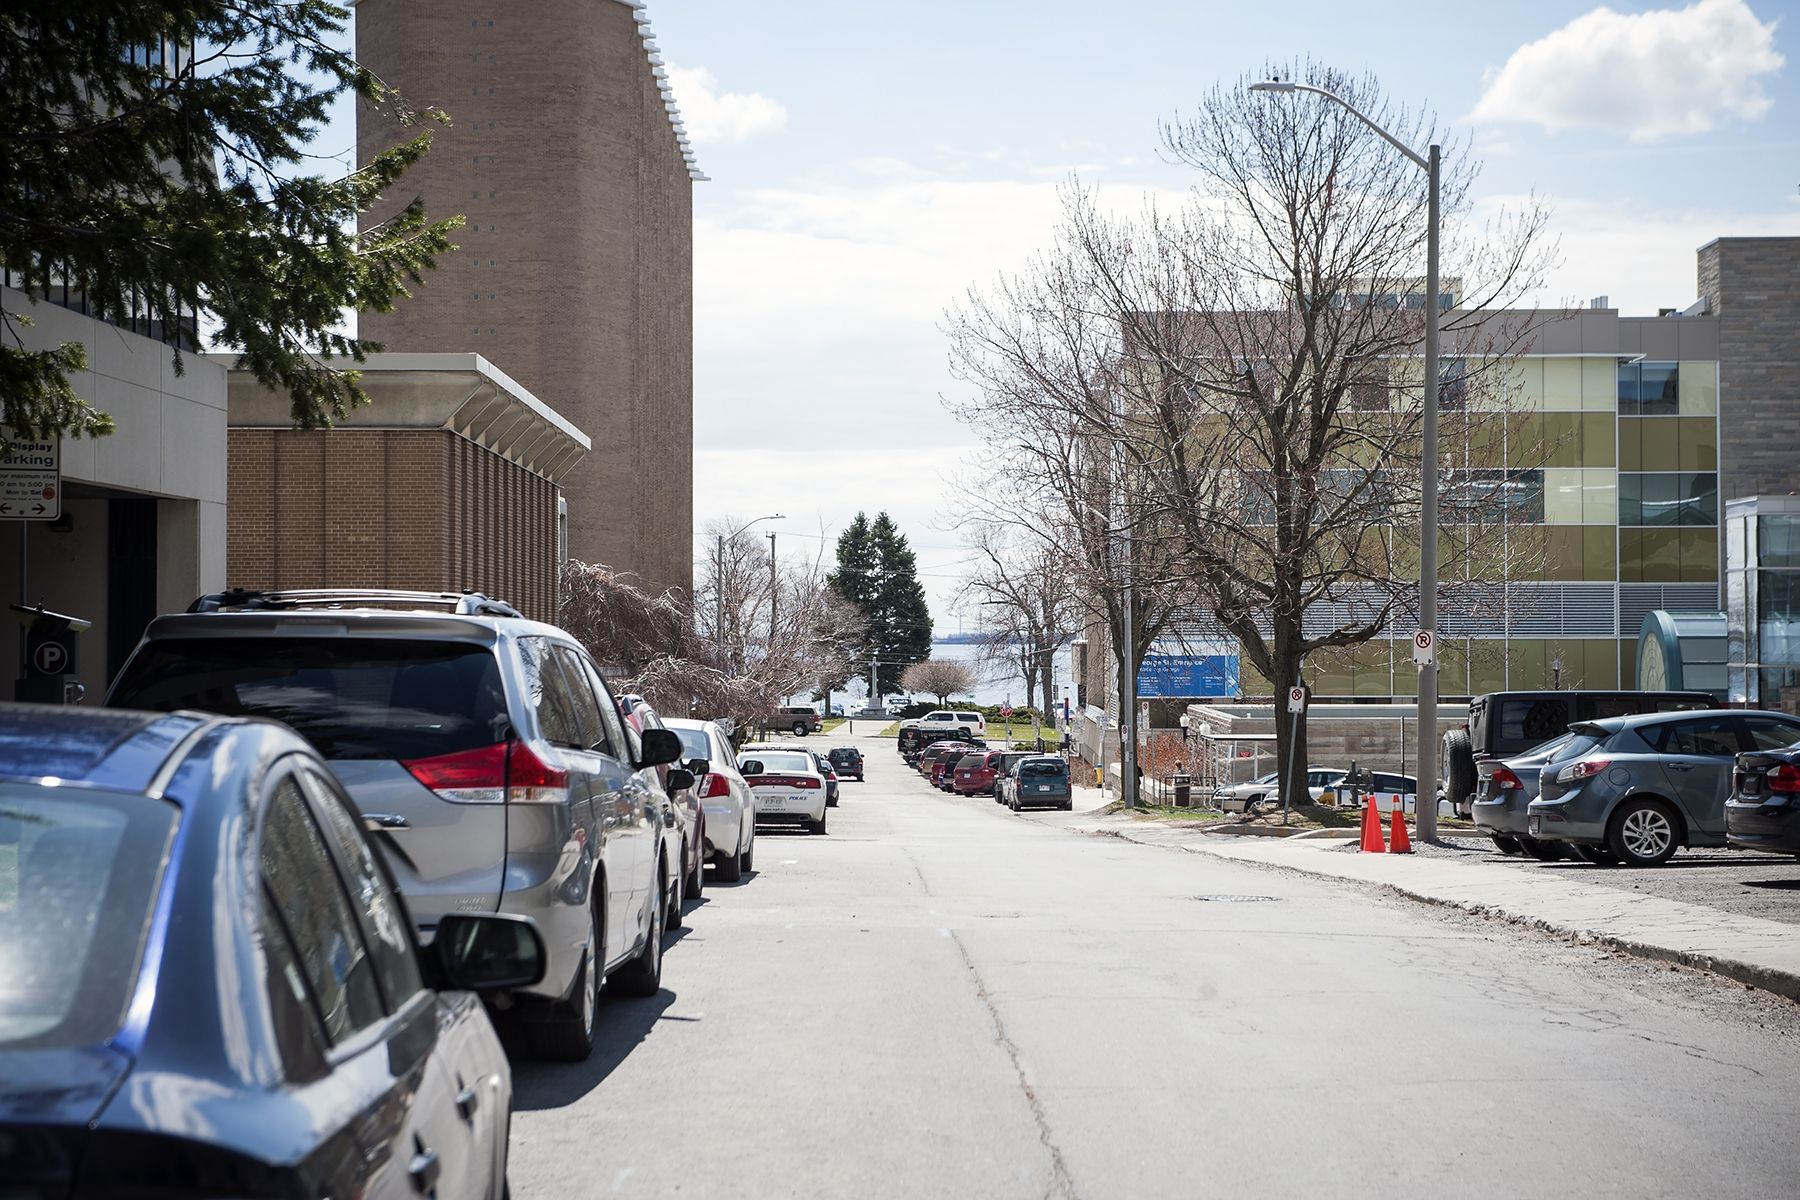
998,683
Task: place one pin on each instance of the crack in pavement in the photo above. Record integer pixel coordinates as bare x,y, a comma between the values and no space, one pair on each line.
1063,1183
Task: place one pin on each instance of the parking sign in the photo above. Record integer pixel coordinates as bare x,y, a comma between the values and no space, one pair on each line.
1424,647
1296,699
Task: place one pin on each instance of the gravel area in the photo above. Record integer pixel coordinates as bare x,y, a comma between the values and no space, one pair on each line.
1733,881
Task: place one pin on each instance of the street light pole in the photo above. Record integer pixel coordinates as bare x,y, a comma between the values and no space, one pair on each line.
1428,482
774,591
719,581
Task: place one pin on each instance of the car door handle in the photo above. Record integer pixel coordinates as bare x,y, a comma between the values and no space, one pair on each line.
376,822
424,1169
1680,766
467,1101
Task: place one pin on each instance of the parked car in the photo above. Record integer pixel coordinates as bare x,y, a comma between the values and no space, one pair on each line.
831,779
1040,781
797,719
1765,795
895,705
929,755
942,720
1636,789
485,749
211,986
730,829
848,760
684,830
1249,793
1504,791
938,765
1507,724
786,785
979,772
913,740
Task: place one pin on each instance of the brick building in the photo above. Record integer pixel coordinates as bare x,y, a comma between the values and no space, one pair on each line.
575,269
448,480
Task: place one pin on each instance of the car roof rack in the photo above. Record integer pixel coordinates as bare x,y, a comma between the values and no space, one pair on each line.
467,604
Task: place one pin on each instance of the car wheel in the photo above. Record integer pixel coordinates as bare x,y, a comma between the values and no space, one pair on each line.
1507,844
727,865
1643,833
678,894
1068,806
799,729
830,803
1014,804
1600,856
749,857
1541,850
696,883
642,976
817,826
566,1032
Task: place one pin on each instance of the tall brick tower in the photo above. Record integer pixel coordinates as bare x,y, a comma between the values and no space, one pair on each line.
575,270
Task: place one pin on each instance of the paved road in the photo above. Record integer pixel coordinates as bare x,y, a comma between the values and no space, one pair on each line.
942,999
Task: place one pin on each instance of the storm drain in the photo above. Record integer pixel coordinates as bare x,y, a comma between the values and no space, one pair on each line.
1231,898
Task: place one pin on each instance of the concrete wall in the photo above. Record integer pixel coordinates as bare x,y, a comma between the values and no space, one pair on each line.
575,270
169,444
1752,285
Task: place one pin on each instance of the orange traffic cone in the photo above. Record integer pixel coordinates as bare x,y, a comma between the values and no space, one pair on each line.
1401,843
1372,842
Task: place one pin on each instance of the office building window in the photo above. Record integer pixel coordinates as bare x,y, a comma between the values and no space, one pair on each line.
1653,498
1649,389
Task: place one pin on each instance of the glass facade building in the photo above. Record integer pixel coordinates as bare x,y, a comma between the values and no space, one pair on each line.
1762,601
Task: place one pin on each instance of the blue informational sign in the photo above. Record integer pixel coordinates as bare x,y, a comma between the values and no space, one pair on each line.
1186,675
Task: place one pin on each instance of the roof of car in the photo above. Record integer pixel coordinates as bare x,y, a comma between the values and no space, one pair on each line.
1637,720
119,749
775,746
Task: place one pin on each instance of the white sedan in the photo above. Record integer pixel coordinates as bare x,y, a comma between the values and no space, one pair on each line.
723,793
787,785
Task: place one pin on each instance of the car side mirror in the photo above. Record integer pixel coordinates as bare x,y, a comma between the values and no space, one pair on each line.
487,952
700,766
750,766
658,746
679,779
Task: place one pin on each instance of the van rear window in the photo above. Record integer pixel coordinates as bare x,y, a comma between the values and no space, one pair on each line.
350,697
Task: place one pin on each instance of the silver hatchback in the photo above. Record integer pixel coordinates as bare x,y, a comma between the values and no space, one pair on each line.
485,753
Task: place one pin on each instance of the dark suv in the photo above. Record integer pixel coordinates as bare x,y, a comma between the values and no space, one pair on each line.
1506,724
485,752
848,762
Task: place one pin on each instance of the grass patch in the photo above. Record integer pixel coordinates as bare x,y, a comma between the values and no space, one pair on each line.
1198,816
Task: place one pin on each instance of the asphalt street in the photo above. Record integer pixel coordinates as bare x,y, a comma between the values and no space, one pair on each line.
939,998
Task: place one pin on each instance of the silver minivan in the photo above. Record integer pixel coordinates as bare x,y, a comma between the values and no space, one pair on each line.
485,752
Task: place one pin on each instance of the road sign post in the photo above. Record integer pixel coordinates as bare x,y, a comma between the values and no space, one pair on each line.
1296,706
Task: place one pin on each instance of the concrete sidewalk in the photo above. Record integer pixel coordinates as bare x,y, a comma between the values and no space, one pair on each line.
1765,954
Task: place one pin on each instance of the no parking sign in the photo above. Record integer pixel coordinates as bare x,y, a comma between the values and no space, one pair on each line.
1424,647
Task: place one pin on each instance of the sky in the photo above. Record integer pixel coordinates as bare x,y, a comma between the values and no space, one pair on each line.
869,163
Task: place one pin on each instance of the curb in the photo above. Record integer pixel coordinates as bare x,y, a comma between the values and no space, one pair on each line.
1785,984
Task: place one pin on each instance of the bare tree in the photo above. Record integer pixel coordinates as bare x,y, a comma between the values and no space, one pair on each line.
940,677
1241,374
1022,591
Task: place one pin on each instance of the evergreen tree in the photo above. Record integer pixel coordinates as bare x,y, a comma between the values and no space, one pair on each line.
155,159
878,574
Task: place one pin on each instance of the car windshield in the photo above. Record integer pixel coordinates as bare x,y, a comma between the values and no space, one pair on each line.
694,743
350,697
78,876
778,762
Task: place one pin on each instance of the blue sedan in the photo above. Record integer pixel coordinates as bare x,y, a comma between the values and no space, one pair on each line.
209,986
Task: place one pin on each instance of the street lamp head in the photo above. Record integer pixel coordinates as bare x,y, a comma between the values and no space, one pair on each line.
1273,85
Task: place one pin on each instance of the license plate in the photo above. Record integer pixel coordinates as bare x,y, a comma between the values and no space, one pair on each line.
772,803
1536,825
1043,787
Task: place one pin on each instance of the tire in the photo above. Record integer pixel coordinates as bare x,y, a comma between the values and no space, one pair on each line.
1458,760
729,868
1068,806
1643,833
1505,843
748,860
1014,805
1541,850
566,1032
817,826
696,884
800,729
829,803
678,889
1600,856
642,976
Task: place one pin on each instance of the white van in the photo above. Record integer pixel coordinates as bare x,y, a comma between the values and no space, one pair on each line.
941,720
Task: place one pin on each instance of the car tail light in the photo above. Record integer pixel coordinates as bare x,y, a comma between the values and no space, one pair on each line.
1784,779
466,777
1585,768
716,785
529,780
1505,779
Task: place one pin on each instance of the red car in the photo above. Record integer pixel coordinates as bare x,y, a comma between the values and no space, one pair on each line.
976,776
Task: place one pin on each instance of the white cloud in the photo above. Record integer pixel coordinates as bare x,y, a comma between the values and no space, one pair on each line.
1647,75
715,116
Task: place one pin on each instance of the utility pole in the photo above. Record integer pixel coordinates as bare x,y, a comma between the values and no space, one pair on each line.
719,601
774,591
